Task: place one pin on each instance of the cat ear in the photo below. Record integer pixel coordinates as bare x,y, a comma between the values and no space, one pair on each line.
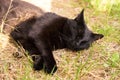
96,36
80,18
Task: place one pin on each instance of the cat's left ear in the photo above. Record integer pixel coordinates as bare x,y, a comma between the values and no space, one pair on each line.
96,36
80,18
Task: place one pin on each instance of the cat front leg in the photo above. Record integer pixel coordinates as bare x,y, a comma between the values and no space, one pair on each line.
49,63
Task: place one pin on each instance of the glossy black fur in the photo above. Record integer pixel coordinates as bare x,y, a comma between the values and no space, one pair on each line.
49,32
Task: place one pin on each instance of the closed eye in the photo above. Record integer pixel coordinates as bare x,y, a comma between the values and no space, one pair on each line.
79,37
83,42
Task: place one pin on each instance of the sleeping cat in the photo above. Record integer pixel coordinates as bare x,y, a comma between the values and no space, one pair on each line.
40,36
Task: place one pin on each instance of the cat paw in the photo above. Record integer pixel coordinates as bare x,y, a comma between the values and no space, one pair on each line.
37,67
50,69
38,63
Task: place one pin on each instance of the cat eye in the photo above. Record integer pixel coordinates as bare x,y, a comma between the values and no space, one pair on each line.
83,42
80,30
78,37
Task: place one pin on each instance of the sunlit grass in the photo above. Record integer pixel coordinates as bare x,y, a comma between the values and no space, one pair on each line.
104,5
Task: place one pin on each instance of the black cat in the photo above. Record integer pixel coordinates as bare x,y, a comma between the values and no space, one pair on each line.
49,32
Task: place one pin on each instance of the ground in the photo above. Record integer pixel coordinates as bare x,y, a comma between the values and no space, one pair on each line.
100,62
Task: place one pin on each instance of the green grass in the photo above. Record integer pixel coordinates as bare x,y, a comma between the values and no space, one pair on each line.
100,62
107,22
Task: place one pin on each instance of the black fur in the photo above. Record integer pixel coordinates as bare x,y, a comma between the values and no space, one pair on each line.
49,32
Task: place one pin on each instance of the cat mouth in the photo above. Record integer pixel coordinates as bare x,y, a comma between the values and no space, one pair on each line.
79,49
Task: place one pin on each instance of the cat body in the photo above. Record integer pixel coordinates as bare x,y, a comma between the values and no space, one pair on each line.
49,32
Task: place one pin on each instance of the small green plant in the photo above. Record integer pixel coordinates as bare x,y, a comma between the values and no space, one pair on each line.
113,60
104,5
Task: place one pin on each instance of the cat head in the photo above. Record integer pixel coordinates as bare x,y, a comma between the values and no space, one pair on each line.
76,34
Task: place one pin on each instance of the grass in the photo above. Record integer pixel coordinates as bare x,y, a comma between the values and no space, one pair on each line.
100,62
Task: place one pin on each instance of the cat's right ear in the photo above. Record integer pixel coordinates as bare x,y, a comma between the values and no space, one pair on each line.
80,18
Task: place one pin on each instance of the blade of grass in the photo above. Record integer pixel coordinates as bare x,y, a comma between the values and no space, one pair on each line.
5,17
